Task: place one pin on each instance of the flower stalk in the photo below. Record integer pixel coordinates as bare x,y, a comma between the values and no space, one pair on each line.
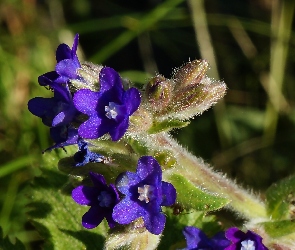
200,174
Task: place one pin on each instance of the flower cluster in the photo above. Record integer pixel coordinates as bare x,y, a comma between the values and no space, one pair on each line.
231,239
75,114
91,107
108,109
143,192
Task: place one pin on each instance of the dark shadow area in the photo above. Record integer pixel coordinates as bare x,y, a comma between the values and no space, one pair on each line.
39,209
92,241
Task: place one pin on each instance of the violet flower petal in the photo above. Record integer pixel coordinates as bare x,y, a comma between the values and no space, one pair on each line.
93,217
155,223
98,180
86,101
126,180
132,100
234,234
220,241
67,68
84,195
168,193
117,132
63,52
75,45
149,168
42,107
127,211
108,79
48,78
59,119
195,238
91,129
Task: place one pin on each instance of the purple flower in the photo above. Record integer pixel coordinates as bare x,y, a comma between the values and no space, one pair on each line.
109,109
57,112
244,241
66,67
101,198
196,239
84,155
145,193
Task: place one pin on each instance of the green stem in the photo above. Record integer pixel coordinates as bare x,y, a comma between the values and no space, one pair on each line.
200,174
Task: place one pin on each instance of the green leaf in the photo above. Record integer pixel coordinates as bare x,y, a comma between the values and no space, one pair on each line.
56,216
278,229
189,196
281,199
167,125
5,243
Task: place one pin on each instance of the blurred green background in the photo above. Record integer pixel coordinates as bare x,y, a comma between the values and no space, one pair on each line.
250,45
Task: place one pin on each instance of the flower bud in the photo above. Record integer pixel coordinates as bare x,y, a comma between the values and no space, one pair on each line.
191,73
158,92
194,99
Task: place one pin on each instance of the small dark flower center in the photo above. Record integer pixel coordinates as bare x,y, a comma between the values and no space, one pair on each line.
247,245
146,193
105,199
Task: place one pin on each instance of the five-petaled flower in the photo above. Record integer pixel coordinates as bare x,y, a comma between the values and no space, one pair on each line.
196,239
109,109
84,155
244,241
145,193
102,198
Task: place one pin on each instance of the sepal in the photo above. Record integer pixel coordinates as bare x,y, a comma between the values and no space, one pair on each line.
167,125
159,92
88,77
132,236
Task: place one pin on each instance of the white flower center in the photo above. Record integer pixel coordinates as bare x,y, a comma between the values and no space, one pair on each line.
247,245
145,193
105,199
111,110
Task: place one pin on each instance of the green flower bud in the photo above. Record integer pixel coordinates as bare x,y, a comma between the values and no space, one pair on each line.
195,99
158,92
191,73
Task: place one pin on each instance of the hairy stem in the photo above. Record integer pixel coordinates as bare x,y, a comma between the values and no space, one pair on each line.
199,173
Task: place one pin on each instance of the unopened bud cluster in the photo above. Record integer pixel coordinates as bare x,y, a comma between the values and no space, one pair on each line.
188,93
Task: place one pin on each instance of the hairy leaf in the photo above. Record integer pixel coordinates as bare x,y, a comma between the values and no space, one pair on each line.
189,196
281,199
56,216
